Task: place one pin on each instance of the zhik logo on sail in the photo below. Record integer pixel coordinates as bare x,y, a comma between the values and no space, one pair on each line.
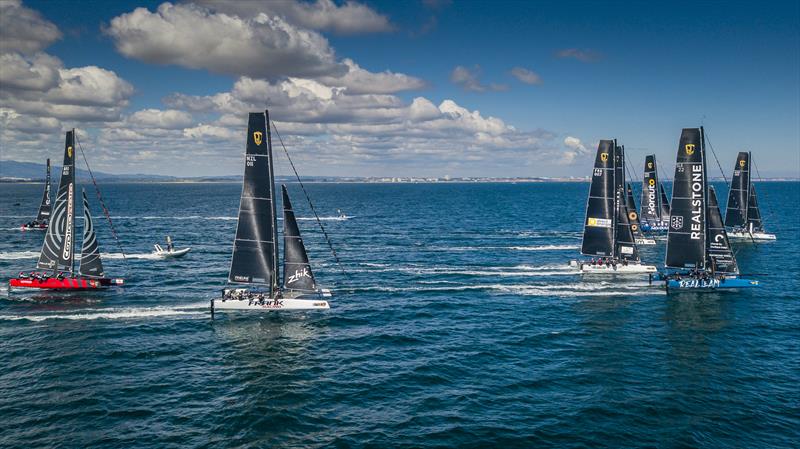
298,274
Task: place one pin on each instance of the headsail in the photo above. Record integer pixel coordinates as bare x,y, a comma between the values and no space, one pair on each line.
720,255
651,201
255,249
91,265
665,209
625,243
633,216
736,213
297,273
44,208
598,229
686,240
58,247
753,212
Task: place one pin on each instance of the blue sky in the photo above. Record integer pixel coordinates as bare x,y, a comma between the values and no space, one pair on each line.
635,71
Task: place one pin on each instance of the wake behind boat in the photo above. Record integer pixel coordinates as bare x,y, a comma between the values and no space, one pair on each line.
43,216
170,252
254,263
743,216
698,248
608,232
57,257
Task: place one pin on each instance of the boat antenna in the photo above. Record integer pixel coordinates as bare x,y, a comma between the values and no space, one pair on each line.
102,203
308,198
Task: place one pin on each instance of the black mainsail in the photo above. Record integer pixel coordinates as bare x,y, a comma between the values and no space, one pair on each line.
44,208
742,210
91,265
598,229
651,201
59,241
720,256
255,249
633,216
297,273
686,239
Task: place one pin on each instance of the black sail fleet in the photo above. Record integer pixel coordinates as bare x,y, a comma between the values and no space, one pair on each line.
742,215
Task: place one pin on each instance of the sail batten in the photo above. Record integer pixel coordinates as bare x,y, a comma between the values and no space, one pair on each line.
254,258
91,265
599,223
58,248
297,274
686,238
44,207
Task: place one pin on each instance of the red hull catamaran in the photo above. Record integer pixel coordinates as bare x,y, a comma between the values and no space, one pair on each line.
57,258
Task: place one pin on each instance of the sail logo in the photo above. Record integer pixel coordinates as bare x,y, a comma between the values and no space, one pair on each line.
676,222
67,253
257,137
604,157
649,165
69,151
696,202
741,163
298,274
689,148
632,215
598,222
652,182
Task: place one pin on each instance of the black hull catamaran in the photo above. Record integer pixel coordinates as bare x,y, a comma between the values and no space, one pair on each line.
607,232
43,216
698,249
655,205
743,215
254,263
57,257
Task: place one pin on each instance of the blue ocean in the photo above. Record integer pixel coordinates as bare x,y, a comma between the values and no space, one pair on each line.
455,322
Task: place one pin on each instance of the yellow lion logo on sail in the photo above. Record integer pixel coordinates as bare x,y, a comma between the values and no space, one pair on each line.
690,148
257,137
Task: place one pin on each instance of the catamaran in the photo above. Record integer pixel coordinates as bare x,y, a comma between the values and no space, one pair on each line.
743,215
43,216
655,205
58,250
254,264
698,248
633,216
607,231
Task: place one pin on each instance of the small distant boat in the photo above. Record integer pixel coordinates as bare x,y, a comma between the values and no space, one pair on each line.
655,205
254,263
633,217
170,252
43,216
743,215
607,233
58,253
697,243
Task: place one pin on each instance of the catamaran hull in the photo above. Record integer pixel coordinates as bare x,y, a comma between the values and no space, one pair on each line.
744,235
79,283
645,241
42,227
710,284
268,306
172,254
619,269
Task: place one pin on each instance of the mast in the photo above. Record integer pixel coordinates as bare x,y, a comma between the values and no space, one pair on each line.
598,229
275,281
736,214
720,256
686,238
91,265
255,245
297,273
58,249
44,207
651,207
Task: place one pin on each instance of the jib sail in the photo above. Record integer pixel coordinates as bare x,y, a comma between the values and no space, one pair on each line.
44,208
91,265
625,243
255,250
686,239
665,210
297,273
753,212
737,211
720,255
633,216
59,241
598,229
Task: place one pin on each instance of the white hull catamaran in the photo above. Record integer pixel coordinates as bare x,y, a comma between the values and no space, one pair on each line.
254,264
743,216
608,234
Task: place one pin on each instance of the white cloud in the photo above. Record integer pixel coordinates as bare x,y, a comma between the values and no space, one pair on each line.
324,15
192,36
360,81
469,80
526,76
23,29
165,119
39,72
